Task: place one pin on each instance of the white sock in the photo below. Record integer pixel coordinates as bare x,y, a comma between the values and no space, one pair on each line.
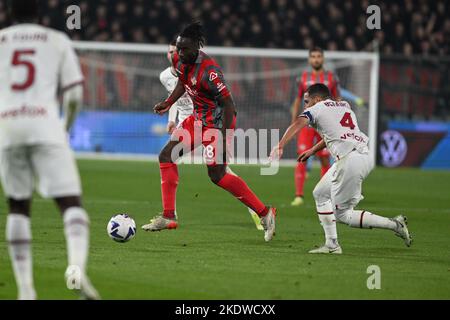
76,230
364,219
328,222
18,235
370,220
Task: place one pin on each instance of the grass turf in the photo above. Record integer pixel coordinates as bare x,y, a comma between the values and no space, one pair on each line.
217,253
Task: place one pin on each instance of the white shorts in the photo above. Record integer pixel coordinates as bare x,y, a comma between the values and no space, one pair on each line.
52,165
340,187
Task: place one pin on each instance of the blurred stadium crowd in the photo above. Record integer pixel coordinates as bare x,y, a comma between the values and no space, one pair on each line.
407,26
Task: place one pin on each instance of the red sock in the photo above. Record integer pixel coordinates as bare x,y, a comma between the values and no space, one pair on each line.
238,188
169,182
324,170
300,175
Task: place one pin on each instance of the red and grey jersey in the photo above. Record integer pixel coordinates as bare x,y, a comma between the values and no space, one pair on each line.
328,78
204,82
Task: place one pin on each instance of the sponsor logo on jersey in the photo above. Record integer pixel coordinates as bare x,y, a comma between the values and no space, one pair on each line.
351,135
193,81
24,111
220,86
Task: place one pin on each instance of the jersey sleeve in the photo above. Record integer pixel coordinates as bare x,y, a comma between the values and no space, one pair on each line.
168,84
311,114
214,81
173,113
70,70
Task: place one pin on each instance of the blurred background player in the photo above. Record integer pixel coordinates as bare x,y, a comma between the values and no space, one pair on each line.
34,62
308,135
183,107
339,190
214,112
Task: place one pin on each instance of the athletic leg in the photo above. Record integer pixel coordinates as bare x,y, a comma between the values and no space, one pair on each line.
324,207
17,180
216,159
346,193
18,235
58,177
304,142
182,140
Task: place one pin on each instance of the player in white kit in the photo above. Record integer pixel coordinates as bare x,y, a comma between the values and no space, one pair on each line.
34,62
183,107
339,190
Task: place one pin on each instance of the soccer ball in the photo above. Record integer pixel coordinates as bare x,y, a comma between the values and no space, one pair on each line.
121,228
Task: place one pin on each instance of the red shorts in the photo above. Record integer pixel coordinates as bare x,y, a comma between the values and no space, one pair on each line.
307,138
192,134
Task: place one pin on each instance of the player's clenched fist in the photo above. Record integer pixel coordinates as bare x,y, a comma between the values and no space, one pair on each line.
162,107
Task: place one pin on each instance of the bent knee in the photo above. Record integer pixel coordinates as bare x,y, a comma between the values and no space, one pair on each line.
216,174
164,156
343,216
320,193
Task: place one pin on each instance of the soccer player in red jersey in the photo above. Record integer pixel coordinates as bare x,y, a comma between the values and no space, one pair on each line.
308,135
214,115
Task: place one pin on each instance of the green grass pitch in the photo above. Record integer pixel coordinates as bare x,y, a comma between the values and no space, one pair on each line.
217,253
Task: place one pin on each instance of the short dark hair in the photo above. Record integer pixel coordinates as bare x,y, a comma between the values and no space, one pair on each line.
195,32
316,49
173,42
320,90
23,10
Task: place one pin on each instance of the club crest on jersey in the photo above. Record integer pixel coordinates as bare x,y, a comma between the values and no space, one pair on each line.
193,81
212,76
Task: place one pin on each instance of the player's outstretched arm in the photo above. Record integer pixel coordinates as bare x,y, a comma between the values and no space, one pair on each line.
164,106
72,100
308,153
292,130
290,133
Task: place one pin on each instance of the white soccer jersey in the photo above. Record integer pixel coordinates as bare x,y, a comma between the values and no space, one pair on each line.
34,62
338,126
184,105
